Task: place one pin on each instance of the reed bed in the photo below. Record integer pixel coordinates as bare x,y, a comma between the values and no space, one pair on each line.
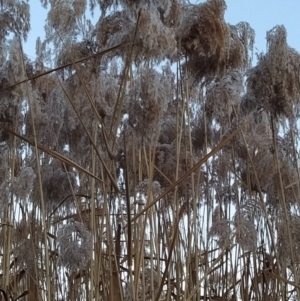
144,158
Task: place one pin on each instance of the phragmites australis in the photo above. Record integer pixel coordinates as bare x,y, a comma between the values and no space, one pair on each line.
211,46
142,157
145,103
222,231
23,183
63,15
223,97
204,36
16,18
153,39
59,185
274,82
75,243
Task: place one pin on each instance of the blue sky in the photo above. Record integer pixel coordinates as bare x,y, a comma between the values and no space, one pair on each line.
262,15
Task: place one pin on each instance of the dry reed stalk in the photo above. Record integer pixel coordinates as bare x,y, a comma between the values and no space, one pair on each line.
43,211
284,207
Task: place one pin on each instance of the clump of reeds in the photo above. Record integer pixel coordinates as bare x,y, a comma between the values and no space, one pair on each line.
148,171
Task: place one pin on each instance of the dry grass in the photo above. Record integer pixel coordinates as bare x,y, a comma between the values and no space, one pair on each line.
142,167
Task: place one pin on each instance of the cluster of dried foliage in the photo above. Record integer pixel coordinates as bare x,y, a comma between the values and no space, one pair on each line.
152,162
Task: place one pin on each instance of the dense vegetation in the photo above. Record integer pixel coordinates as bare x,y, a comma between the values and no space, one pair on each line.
144,157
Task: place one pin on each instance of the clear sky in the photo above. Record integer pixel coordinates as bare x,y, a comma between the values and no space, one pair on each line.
38,15
262,15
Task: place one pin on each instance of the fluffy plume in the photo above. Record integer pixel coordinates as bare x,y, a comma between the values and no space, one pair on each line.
274,82
222,231
15,67
204,36
171,13
63,14
75,243
154,40
211,46
23,183
58,186
15,17
246,235
223,97
49,110
142,188
145,104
